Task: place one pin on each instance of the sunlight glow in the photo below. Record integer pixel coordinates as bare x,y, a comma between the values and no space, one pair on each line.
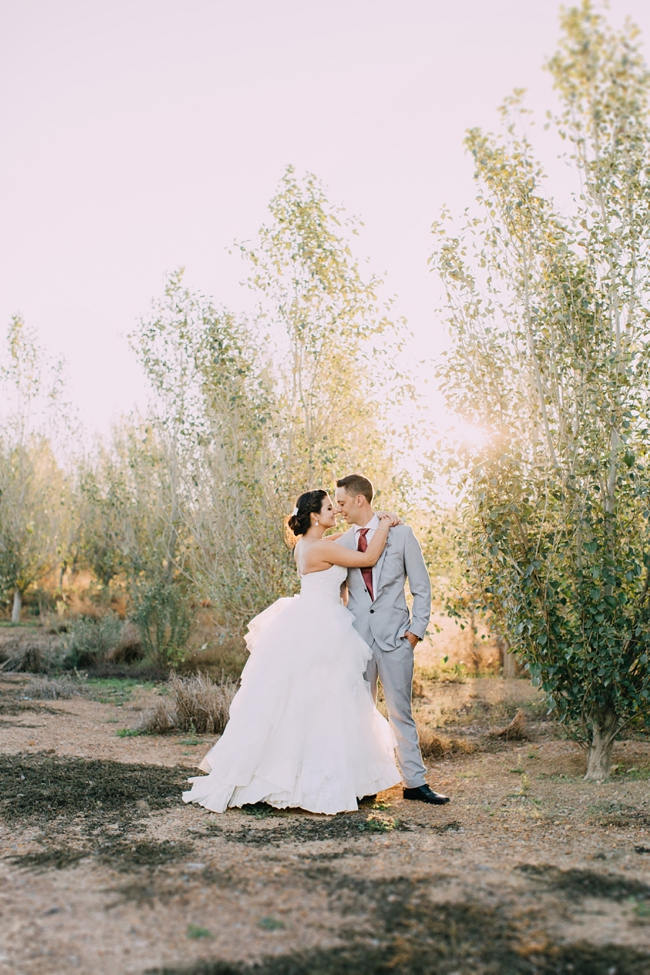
469,436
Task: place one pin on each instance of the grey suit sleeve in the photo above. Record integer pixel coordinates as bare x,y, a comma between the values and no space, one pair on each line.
419,584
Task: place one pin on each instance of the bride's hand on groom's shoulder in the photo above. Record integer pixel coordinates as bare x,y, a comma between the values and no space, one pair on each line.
393,519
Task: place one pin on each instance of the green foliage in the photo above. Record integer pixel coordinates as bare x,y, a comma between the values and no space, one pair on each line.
551,352
328,325
253,412
160,610
89,641
133,534
33,488
102,505
196,931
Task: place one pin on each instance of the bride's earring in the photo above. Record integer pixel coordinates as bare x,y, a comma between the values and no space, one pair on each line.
316,522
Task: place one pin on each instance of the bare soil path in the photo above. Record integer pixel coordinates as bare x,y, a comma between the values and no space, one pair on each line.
528,870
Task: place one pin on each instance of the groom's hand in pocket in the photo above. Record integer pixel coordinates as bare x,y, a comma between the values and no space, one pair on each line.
412,638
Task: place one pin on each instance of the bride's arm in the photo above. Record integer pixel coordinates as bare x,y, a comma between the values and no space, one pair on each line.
321,552
394,520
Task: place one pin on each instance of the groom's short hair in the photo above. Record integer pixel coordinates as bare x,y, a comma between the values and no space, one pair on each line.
357,484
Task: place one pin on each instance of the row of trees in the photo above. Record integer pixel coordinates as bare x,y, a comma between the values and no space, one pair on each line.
247,412
548,313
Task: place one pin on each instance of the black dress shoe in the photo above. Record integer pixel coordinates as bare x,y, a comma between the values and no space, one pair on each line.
425,794
367,799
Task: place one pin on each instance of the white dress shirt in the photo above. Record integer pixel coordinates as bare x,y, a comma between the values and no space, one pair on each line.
372,526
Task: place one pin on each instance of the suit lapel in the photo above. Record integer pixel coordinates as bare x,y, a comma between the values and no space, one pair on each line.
377,572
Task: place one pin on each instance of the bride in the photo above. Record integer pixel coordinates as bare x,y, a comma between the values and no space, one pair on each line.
303,729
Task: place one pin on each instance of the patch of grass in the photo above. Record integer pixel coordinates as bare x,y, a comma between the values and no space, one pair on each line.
412,935
433,745
161,719
113,690
380,804
13,707
618,814
118,853
585,883
641,909
56,688
129,732
270,924
195,704
261,810
146,891
634,772
41,787
126,855
16,707
18,724
55,858
38,654
444,672
294,828
195,931
159,887
560,776
378,824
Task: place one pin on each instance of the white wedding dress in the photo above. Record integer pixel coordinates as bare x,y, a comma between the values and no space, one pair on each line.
303,729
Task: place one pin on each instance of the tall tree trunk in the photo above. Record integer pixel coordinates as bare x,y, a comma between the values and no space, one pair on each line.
604,728
17,606
509,663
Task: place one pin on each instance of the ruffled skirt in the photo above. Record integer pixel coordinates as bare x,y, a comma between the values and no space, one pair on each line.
303,729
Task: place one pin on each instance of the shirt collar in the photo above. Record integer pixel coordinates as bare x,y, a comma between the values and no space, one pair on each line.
373,524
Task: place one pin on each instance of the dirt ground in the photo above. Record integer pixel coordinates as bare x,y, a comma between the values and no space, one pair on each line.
528,869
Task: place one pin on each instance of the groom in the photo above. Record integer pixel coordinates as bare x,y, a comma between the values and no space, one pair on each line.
376,600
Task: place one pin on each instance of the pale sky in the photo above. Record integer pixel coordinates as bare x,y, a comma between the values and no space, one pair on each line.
140,135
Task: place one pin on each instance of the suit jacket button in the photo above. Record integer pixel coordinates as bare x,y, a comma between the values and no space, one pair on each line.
372,610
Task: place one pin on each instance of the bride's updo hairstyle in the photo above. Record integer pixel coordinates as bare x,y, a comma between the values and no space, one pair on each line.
307,504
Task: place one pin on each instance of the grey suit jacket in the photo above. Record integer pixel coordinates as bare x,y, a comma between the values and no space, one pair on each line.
386,619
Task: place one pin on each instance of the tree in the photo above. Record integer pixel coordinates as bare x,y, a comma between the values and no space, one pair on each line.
215,412
551,351
256,410
336,342
33,489
133,531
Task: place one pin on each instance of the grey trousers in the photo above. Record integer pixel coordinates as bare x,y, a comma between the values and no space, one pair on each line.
395,671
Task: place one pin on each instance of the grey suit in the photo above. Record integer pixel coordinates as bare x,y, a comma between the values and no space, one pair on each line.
382,624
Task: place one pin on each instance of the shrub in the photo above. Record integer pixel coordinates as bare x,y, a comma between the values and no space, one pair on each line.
198,704
89,641
56,688
162,617
433,745
160,720
29,652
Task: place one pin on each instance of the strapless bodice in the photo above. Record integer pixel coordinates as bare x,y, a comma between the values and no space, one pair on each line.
325,584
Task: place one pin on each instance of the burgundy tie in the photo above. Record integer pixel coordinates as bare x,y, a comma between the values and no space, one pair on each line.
362,545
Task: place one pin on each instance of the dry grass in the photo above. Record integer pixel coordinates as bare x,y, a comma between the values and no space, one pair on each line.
29,653
56,688
195,704
433,745
160,720
201,704
418,690
515,731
